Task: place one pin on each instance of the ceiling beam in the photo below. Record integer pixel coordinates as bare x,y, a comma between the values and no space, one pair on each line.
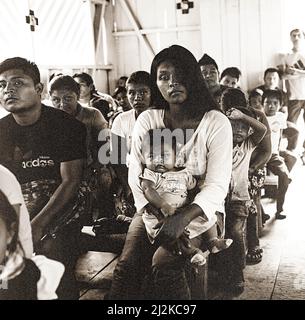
156,30
103,2
100,32
137,28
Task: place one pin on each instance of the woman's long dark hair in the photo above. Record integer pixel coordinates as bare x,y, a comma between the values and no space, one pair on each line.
9,216
199,99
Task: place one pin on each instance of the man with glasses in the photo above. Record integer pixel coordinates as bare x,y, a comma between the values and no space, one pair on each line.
64,93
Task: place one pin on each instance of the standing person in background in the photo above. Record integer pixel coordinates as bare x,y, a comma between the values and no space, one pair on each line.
231,98
293,68
247,134
90,97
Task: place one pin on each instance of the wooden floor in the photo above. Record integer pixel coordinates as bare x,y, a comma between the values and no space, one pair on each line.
94,273
279,276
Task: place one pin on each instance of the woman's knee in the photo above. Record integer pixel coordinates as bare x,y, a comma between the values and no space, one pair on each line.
164,258
134,243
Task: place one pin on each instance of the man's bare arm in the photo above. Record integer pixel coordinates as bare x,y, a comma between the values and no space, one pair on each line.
71,174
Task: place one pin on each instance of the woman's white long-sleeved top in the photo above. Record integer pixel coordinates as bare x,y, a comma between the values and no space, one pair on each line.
207,155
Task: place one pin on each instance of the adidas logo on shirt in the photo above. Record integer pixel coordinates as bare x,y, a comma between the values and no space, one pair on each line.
38,163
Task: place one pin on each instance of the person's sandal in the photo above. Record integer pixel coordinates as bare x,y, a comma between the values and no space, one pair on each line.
254,256
280,215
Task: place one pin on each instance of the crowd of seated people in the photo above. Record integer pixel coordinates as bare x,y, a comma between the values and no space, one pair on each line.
85,159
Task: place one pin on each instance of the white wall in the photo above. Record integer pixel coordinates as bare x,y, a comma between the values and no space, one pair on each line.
248,34
158,15
63,36
244,33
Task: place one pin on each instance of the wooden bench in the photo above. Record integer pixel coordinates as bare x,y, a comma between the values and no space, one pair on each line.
270,185
271,180
94,273
94,269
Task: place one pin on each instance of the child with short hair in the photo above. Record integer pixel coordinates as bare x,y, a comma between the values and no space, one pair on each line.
272,101
230,77
120,94
167,189
260,156
272,77
257,174
255,99
247,134
22,278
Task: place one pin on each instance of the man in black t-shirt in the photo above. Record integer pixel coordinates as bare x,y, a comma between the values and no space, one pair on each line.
45,149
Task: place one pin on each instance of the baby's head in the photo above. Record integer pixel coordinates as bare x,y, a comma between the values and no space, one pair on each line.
272,102
241,129
159,150
8,228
